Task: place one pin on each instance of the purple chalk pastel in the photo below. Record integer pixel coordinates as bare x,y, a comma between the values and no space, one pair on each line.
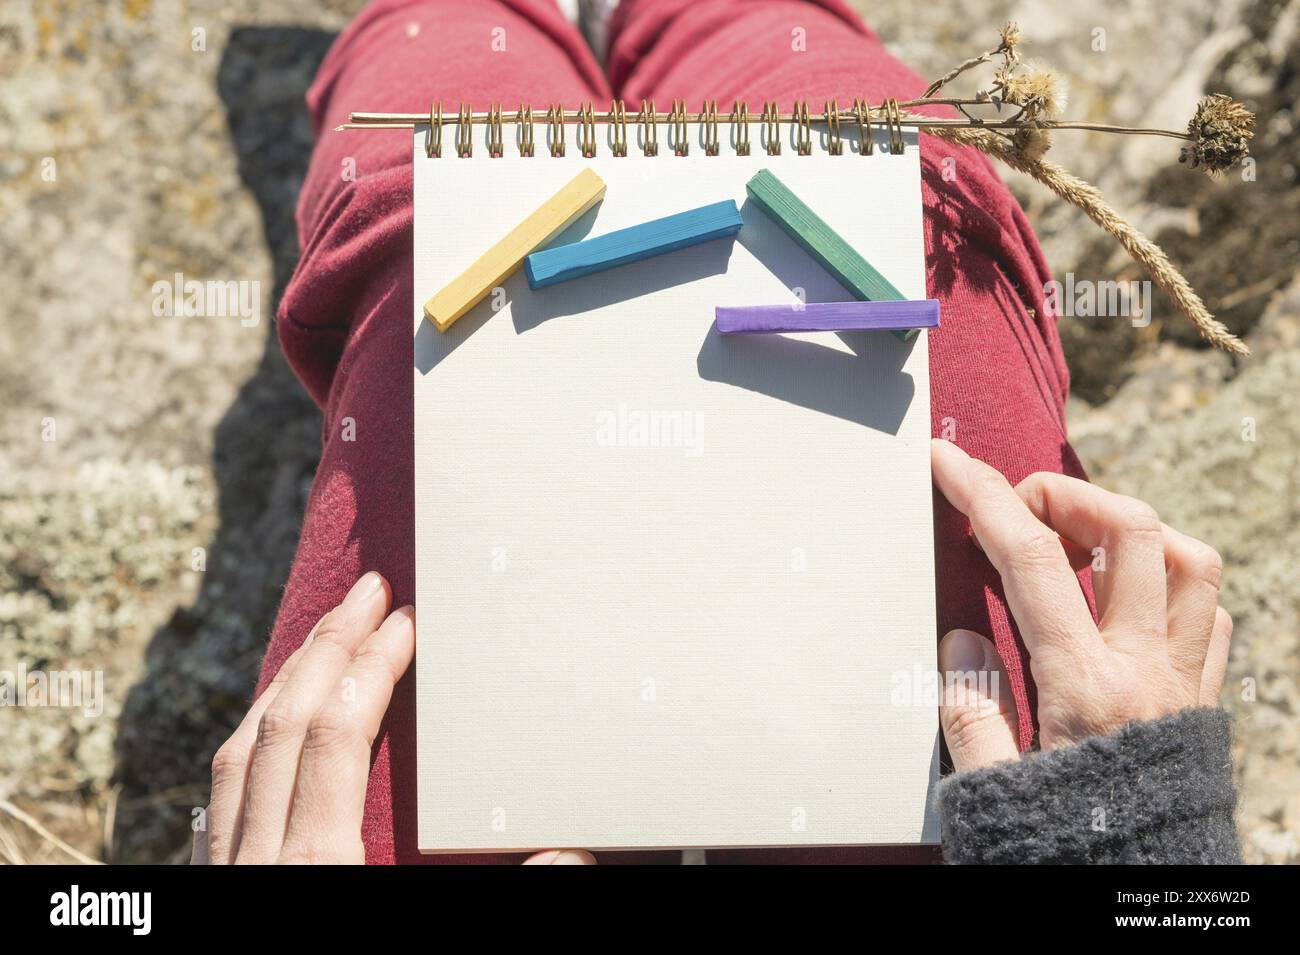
883,316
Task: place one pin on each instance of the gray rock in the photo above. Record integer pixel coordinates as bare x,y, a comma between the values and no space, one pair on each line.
1221,461
171,434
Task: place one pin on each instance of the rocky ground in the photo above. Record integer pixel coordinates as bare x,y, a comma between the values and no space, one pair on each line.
154,469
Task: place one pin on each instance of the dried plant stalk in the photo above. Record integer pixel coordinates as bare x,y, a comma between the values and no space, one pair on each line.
1088,197
1216,139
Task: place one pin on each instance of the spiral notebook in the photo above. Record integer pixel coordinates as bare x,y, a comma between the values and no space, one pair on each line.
675,589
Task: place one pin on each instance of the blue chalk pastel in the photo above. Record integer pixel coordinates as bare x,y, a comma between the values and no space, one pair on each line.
565,262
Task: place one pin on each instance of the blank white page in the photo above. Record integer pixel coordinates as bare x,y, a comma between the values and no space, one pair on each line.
673,589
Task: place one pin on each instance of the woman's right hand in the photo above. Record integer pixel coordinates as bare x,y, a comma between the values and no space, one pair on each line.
290,784
1162,641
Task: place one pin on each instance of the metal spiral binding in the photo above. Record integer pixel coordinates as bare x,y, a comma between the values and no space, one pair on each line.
678,134
465,131
740,122
679,121
710,123
587,130
524,119
618,127
770,135
834,141
555,129
862,110
433,145
649,128
802,129
495,138
894,126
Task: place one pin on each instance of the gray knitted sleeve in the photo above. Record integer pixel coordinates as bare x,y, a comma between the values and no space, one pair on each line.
1155,792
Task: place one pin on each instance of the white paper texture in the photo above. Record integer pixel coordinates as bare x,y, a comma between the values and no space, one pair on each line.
673,589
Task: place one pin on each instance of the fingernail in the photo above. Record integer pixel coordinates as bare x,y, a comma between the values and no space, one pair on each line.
561,857
573,857
401,617
365,588
961,651
944,446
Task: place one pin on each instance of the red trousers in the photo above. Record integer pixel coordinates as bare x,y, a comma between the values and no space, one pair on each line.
997,376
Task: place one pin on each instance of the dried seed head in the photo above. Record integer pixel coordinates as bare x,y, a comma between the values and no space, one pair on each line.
1010,36
1221,132
1039,90
1032,141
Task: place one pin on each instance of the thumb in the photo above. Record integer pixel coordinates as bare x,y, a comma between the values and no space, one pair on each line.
561,857
975,711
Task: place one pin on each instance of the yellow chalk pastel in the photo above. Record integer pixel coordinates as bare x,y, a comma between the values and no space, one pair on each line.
497,263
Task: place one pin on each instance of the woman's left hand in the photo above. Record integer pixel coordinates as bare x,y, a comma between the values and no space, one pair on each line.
1160,645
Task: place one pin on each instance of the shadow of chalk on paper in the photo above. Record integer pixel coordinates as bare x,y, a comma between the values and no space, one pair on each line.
866,386
621,283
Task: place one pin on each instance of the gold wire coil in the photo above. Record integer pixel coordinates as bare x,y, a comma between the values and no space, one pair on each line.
834,140
555,129
587,130
618,127
433,145
740,123
710,122
524,120
649,128
894,126
862,110
495,137
465,131
770,134
678,134
679,127
802,128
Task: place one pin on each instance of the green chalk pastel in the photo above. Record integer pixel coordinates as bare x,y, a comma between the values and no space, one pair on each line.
822,242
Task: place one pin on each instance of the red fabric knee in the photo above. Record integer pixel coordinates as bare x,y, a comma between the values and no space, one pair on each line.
345,320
